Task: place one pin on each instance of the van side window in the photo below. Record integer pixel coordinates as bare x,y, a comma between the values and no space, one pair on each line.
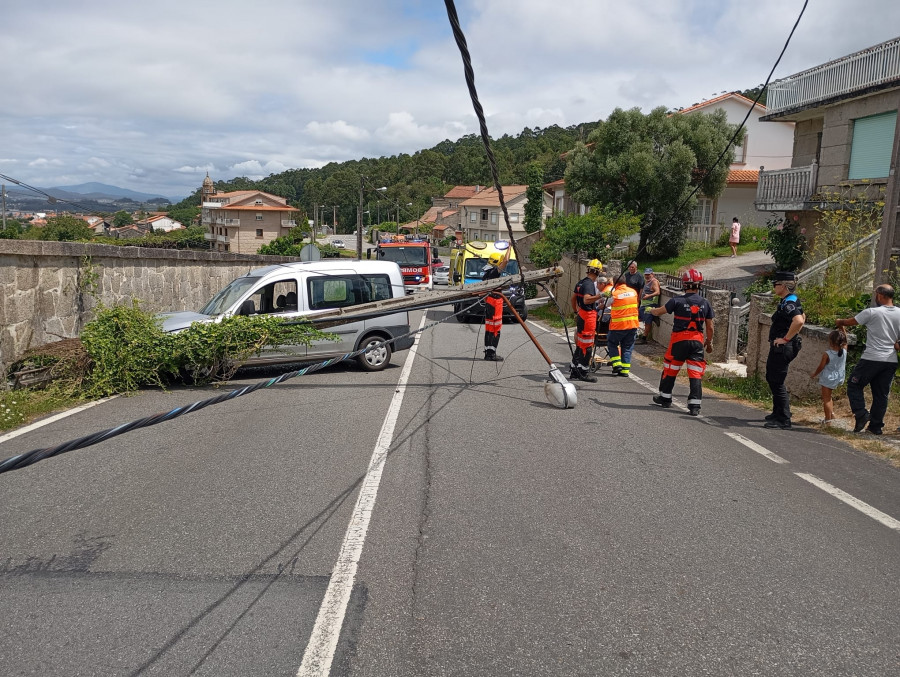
341,291
276,297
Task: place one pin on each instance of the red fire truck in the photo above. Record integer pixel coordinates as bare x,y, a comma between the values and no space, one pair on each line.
415,258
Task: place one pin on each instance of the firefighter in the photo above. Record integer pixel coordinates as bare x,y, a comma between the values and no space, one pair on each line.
623,325
692,315
493,306
585,303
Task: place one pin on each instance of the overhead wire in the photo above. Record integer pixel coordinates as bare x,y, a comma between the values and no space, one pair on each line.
662,229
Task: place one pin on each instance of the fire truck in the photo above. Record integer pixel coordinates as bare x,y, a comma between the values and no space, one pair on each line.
415,258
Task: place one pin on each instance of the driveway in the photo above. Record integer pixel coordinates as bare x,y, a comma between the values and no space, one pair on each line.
735,273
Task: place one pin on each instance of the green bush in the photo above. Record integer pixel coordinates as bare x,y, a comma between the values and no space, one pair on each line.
129,349
786,242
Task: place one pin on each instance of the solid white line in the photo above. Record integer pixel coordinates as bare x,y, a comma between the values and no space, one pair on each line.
323,641
852,501
750,444
52,419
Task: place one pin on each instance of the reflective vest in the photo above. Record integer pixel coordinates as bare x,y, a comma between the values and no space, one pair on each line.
624,312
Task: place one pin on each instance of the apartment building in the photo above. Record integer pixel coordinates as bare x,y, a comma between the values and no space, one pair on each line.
244,220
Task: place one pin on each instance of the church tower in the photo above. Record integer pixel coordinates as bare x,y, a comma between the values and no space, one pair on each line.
207,190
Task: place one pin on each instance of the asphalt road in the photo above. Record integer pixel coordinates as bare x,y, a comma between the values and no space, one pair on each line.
506,537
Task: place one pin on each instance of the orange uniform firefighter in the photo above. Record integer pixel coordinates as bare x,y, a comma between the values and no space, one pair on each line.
493,306
623,325
692,315
585,303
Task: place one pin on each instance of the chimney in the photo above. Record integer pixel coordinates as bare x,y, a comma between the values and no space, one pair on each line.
440,215
477,189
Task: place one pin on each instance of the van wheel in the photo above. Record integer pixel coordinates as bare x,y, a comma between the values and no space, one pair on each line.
378,357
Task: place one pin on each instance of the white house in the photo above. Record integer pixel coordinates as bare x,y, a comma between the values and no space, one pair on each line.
765,145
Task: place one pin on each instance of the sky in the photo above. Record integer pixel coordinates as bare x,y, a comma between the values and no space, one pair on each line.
153,96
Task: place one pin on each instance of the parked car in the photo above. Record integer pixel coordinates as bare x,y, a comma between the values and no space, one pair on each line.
337,243
304,289
442,275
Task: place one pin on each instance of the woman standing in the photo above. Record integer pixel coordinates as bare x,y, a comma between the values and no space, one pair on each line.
784,344
735,236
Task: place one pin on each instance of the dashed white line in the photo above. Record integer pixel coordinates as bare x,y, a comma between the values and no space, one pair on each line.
52,419
759,449
852,501
319,654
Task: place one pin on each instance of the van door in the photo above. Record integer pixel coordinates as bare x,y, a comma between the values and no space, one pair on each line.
324,292
278,298
378,288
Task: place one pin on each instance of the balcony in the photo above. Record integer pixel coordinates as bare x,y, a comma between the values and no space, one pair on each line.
288,224
222,238
863,71
209,236
786,189
227,222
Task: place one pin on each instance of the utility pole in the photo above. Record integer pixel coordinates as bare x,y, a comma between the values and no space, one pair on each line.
359,220
3,192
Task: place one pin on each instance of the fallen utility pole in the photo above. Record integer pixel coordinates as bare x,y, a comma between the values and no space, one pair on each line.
423,300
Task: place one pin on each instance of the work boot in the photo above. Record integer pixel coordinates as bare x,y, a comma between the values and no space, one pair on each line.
616,369
771,417
694,409
622,373
861,421
491,356
664,402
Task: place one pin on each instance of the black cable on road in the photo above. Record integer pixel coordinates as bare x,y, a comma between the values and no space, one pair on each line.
31,457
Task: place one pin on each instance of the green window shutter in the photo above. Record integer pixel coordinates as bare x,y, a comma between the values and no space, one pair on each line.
873,140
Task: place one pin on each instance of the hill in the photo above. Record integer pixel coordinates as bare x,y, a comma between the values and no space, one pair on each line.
412,180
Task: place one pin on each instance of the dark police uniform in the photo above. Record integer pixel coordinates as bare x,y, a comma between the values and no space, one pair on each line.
780,358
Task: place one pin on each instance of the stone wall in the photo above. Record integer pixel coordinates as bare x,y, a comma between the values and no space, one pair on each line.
49,290
815,342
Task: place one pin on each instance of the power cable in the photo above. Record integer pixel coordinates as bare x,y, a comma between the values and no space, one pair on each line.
460,38
662,229
31,457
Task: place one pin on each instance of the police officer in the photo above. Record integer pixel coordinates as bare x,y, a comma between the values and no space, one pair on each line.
692,314
585,303
784,344
493,306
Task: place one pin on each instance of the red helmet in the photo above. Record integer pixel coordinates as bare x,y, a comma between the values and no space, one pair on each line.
691,278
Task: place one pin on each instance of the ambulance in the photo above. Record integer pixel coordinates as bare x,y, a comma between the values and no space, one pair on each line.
467,264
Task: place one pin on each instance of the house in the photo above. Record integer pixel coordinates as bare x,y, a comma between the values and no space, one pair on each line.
474,213
846,137
159,222
244,220
764,144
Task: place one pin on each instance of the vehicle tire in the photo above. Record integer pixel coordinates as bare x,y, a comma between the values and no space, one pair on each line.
523,313
377,359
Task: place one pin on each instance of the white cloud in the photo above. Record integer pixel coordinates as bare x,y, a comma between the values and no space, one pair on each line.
337,129
110,97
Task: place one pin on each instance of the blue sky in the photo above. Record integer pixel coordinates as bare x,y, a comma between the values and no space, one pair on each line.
153,100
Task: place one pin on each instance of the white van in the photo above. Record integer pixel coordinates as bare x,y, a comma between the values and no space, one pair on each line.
304,289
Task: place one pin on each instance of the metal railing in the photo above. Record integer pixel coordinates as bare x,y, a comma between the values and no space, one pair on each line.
867,68
707,233
864,248
780,186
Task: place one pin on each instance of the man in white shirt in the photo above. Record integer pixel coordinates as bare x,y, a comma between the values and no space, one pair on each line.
878,363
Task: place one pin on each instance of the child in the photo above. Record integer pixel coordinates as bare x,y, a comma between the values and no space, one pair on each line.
831,370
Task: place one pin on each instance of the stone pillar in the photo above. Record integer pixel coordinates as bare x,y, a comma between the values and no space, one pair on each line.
720,300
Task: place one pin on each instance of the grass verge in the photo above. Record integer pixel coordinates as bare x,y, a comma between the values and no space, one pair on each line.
21,407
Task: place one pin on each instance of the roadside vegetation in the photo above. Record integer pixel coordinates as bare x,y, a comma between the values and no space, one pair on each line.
125,349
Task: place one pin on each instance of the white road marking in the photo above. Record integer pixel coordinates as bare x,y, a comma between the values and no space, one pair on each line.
852,501
319,654
759,449
52,419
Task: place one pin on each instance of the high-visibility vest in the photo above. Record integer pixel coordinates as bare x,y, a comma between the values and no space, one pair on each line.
624,312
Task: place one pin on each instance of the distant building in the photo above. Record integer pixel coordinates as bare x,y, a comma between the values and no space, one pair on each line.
474,213
244,220
160,222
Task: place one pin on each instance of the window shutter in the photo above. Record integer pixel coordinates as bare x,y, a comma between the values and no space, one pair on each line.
873,141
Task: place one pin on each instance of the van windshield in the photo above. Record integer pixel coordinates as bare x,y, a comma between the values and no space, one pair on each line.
475,268
404,256
228,296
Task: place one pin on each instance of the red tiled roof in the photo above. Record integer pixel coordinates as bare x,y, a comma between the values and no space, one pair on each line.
717,99
489,197
464,191
553,185
259,208
743,176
